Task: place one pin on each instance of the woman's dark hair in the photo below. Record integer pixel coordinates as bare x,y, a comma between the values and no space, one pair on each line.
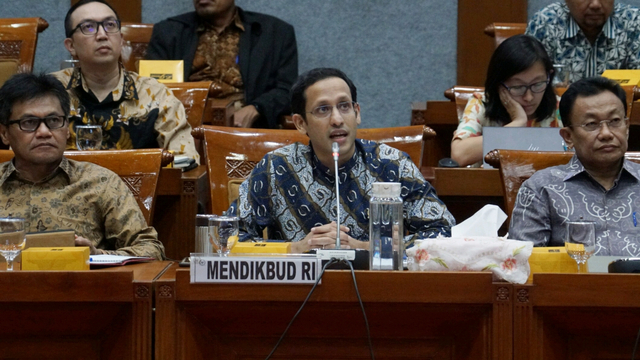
513,56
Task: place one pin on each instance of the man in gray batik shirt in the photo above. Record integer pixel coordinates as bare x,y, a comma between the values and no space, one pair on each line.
598,184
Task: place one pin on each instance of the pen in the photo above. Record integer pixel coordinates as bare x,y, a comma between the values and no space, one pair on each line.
635,220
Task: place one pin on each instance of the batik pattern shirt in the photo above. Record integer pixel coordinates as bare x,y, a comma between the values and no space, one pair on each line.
474,119
558,194
290,191
83,197
216,58
140,113
616,47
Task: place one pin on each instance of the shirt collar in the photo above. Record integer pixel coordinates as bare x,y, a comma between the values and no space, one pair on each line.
328,172
8,169
126,87
575,167
204,25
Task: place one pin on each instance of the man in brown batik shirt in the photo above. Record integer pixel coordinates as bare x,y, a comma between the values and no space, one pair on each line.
242,52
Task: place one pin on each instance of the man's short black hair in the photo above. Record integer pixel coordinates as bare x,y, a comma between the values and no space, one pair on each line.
588,87
27,86
298,96
68,26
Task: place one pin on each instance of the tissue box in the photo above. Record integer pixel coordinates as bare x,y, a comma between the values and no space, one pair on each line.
551,260
60,258
261,247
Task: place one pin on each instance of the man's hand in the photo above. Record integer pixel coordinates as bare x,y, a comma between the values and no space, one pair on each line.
324,237
515,110
80,241
245,117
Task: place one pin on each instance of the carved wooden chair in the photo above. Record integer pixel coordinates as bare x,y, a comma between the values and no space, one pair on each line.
136,37
18,40
461,94
195,99
139,169
501,31
232,153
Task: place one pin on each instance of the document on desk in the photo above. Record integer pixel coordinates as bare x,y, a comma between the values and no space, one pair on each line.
116,260
275,269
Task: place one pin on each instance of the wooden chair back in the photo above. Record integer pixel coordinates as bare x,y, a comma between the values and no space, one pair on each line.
18,40
501,31
232,153
139,169
516,166
194,96
136,37
460,94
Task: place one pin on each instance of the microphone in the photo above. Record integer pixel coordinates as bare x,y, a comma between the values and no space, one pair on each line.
335,149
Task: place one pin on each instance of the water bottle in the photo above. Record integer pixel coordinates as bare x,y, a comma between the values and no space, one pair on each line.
386,233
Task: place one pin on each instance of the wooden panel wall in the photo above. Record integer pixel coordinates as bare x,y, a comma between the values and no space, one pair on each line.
474,47
128,10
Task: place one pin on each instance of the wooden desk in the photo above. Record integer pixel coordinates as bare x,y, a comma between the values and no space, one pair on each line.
180,197
97,314
418,315
572,316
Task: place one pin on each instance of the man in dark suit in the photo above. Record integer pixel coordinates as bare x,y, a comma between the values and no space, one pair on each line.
242,52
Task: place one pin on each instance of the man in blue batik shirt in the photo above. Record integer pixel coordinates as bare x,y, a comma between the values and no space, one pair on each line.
291,191
589,36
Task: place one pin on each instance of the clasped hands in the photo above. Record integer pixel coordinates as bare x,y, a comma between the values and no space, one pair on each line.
324,237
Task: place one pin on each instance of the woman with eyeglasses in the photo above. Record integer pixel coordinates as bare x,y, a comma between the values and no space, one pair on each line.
518,92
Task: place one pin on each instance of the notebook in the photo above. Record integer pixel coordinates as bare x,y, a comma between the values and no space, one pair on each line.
520,138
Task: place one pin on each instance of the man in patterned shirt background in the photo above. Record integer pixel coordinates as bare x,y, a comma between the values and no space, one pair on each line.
589,36
52,192
135,112
291,192
598,184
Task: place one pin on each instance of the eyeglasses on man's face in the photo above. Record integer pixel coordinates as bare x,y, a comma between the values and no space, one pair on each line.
324,111
90,27
32,123
592,125
520,90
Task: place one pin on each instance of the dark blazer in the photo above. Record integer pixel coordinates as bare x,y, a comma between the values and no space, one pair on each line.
268,58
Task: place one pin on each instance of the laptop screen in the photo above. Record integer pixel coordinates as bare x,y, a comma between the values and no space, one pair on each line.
521,138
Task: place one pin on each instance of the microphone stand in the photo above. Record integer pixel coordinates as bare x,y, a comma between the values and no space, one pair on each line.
335,149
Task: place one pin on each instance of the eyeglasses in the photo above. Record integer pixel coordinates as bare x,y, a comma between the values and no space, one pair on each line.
31,124
324,111
90,27
522,89
597,125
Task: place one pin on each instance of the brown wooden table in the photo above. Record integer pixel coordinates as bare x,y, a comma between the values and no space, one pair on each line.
97,314
577,316
412,315
180,197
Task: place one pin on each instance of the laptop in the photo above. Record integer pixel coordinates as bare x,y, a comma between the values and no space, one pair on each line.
520,138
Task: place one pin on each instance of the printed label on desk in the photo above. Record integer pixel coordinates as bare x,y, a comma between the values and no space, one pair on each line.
237,269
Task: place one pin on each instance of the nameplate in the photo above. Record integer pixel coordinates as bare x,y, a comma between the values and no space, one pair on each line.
254,269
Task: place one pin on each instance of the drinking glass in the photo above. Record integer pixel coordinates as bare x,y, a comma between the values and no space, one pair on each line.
580,242
89,137
562,78
12,239
223,233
